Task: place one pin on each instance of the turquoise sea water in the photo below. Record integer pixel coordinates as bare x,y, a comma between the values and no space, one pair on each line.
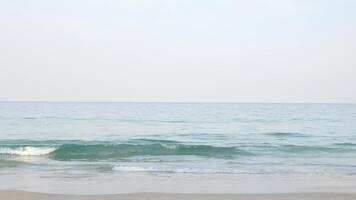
62,139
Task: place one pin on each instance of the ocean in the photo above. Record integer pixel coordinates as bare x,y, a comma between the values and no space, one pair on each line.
69,147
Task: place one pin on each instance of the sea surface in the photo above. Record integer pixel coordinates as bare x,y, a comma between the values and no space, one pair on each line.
129,147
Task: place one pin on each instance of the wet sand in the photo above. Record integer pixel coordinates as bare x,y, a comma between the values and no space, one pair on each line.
21,195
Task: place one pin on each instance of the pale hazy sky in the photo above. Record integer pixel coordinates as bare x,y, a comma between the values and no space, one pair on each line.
178,50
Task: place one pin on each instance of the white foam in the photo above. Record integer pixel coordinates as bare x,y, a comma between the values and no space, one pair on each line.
122,168
133,169
27,151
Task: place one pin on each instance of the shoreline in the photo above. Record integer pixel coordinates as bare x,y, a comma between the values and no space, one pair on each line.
23,195
132,183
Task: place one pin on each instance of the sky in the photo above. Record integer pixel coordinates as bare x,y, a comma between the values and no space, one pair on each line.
292,51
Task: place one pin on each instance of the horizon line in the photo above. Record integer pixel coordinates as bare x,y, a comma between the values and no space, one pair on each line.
172,102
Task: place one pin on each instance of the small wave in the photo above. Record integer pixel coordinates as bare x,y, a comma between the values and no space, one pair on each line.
345,144
68,150
152,141
27,151
299,149
286,134
117,151
30,118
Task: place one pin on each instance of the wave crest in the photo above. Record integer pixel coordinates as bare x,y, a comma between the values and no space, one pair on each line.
27,151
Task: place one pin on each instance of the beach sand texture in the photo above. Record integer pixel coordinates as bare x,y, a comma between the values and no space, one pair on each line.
21,195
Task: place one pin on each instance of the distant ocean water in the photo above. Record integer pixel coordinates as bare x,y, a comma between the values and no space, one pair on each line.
67,139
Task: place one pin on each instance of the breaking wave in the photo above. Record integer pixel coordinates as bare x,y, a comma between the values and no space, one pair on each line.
27,151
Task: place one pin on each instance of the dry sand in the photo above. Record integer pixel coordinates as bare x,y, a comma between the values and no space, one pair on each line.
21,195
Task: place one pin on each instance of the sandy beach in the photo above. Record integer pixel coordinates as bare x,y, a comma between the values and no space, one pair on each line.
21,195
